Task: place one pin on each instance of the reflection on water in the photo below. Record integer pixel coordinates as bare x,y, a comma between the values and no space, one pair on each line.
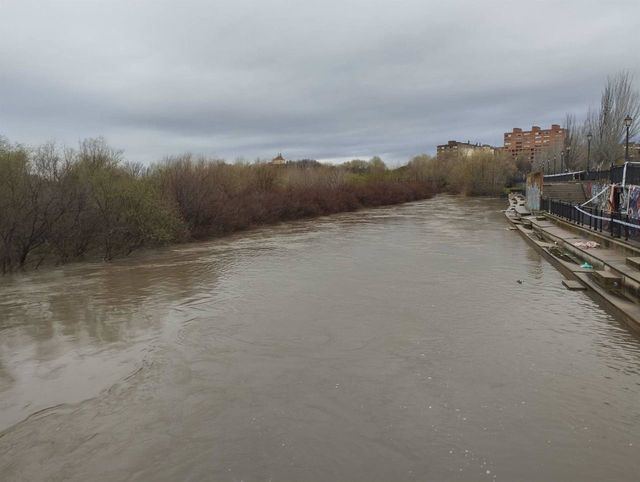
69,333
390,344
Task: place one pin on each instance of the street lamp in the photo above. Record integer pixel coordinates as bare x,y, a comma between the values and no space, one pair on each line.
562,161
627,122
554,164
566,159
589,137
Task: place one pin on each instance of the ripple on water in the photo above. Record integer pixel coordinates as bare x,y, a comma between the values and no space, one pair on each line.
386,344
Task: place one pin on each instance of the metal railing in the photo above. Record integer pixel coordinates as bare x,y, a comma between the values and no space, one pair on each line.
615,223
615,175
564,177
596,175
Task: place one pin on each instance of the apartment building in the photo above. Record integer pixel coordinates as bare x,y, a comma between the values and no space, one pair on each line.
535,142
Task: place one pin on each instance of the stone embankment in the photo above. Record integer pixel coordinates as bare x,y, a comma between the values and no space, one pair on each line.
609,269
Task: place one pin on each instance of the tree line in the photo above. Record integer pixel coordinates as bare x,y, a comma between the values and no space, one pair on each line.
473,174
59,205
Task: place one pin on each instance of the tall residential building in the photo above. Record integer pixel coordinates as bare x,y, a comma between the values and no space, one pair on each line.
463,148
534,143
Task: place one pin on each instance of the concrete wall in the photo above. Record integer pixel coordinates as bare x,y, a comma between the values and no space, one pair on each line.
566,191
535,181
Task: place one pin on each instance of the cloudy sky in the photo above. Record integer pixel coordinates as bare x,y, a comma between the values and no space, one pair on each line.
329,79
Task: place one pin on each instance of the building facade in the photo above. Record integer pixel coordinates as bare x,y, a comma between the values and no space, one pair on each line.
536,143
463,148
278,160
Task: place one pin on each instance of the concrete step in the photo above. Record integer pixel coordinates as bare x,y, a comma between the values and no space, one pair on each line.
545,245
573,285
634,262
607,279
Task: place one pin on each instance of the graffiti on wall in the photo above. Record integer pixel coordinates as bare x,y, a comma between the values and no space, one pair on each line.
602,201
534,190
633,195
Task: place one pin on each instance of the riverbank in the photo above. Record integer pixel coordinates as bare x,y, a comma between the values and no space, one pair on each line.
62,206
609,274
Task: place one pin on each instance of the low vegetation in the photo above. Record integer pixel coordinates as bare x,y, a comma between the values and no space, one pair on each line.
59,205
476,174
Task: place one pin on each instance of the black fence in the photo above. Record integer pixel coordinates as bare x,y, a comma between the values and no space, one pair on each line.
615,175
618,225
597,175
567,176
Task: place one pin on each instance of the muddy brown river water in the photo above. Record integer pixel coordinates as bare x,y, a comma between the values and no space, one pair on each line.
386,345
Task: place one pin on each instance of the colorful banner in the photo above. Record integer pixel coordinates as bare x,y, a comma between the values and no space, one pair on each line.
634,202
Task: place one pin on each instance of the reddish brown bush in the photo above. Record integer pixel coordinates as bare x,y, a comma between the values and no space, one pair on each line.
63,205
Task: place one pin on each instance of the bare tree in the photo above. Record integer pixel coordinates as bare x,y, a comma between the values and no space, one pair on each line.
574,149
619,99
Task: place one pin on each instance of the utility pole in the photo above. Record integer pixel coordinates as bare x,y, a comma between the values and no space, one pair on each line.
589,137
627,122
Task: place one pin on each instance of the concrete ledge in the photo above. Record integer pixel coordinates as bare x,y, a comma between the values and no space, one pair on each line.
607,279
573,285
602,237
624,309
634,262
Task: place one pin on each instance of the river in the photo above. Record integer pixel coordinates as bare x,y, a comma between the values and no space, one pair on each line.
388,344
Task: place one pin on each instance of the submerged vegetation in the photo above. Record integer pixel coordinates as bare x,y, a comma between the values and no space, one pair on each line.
59,205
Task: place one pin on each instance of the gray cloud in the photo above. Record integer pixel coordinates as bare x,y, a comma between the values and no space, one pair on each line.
332,79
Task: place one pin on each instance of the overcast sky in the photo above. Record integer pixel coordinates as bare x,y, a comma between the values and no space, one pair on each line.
330,79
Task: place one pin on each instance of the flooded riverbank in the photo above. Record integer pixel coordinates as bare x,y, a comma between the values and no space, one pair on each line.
388,344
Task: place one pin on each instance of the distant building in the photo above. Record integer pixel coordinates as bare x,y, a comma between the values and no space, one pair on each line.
463,148
534,143
278,160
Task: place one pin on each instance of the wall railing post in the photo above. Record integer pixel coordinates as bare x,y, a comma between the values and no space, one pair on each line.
626,228
620,224
611,223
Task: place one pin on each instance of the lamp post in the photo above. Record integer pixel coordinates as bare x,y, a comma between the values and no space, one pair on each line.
627,122
554,164
562,161
589,137
566,159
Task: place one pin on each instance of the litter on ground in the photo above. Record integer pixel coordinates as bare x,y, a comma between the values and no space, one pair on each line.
586,244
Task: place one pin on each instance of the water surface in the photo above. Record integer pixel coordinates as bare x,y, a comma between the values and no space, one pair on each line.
389,344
